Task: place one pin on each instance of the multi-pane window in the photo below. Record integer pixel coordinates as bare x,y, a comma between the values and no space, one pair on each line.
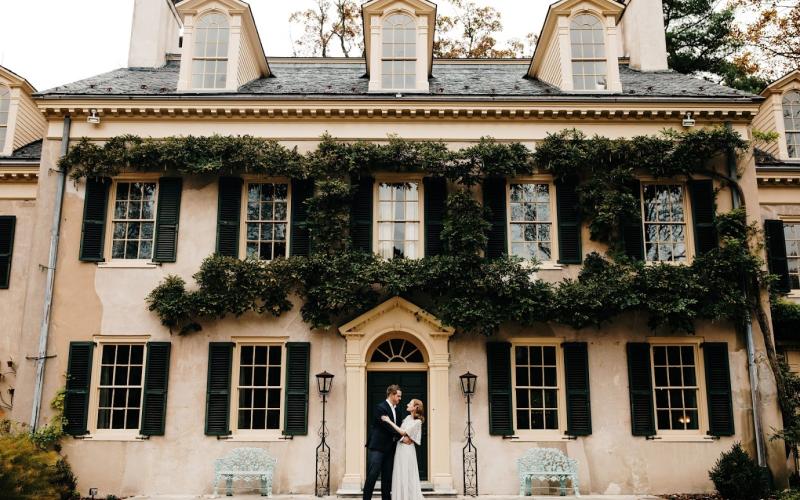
664,222
259,387
791,122
120,388
536,387
791,231
399,56
587,37
531,221
5,103
399,220
675,386
267,220
133,220
210,60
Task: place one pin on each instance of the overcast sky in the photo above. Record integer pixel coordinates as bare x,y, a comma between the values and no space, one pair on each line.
52,42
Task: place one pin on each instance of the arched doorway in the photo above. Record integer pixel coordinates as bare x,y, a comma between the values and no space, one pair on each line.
398,339
399,360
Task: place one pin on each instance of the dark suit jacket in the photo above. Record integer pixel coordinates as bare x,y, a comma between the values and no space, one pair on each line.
382,436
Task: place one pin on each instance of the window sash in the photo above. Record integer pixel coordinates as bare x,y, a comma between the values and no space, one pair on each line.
531,221
270,213
398,221
127,229
210,58
670,416
791,123
791,232
665,239
273,408
109,410
547,410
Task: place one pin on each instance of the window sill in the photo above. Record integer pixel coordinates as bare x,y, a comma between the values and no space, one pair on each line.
794,294
256,438
550,265
113,437
530,437
127,264
695,438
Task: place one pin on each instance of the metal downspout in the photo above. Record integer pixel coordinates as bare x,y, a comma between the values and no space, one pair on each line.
752,368
55,230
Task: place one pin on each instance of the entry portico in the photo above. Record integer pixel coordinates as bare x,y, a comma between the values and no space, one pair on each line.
397,318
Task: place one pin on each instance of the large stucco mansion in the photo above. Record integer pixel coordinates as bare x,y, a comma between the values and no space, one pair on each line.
149,410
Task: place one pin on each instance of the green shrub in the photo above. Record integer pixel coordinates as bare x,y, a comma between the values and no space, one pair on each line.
738,477
788,495
28,471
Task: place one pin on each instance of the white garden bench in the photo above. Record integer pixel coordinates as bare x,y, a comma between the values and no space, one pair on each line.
546,464
247,464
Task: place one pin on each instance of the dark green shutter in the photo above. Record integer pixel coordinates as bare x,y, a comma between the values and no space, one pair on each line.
435,207
640,386
79,378
498,364
302,190
229,216
156,379
361,215
494,198
632,231
8,224
576,374
718,389
297,370
569,223
168,218
703,215
218,391
776,252
94,219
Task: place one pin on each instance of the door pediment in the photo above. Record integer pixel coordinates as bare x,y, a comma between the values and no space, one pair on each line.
396,314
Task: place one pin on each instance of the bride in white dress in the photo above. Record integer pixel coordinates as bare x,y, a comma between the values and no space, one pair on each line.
405,475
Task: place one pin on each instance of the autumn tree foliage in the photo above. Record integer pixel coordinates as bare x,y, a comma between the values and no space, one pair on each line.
326,23
771,37
472,31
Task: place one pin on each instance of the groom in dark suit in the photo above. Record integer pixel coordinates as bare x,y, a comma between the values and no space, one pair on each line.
381,446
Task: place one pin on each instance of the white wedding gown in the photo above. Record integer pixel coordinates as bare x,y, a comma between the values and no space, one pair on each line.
405,475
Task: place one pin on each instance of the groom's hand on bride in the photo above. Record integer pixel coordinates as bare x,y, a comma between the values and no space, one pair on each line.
406,440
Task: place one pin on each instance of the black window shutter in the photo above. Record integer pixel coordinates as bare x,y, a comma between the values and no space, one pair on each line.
776,253
297,369
701,193
435,207
156,378
576,374
229,216
498,364
718,389
494,198
640,386
218,392
632,230
302,190
76,398
8,224
569,223
94,219
169,214
361,215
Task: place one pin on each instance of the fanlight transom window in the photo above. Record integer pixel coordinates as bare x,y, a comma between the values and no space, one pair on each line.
5,102
587,37
791,122
397,351
399,52
210,64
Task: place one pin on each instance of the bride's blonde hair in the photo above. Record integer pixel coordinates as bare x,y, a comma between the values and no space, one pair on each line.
418,410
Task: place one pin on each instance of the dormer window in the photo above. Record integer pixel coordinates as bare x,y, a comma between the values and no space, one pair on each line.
210,58
5,102
399,52
791,122
587,36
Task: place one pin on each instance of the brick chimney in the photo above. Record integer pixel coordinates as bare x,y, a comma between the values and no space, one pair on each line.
644,35
154,33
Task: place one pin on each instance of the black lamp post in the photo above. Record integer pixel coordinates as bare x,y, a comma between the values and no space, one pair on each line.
469,453
323,480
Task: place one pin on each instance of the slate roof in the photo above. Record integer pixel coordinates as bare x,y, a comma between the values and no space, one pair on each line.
315,79
32,151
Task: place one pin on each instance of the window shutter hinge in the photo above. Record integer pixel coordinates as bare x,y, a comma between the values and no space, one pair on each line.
510,436
142,437
652,437
569,437
287,437
227,436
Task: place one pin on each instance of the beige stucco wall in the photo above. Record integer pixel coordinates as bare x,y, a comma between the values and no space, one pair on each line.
91,300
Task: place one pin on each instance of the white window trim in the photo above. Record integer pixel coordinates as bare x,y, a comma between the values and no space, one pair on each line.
4,138
794,293
687,221
785,133
606,45
553,263
548,434
249,435
395,178
255,179
108,239
96,434
415,59
194,56
700,434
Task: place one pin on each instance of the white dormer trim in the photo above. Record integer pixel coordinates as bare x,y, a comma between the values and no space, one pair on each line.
552,59
20,132
774,105
246,58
